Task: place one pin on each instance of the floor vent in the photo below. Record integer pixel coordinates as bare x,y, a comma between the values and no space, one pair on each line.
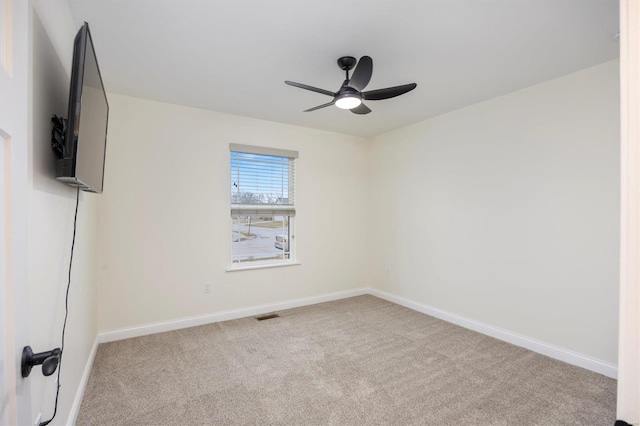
266,317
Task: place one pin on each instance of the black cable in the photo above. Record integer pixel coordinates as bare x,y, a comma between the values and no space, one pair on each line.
66,307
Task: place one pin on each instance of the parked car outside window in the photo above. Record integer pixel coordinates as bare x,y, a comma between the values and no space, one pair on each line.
282,242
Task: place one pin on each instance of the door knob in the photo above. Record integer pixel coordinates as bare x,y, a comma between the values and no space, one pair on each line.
48,359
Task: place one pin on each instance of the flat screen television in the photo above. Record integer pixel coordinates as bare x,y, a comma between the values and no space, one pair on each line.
82,139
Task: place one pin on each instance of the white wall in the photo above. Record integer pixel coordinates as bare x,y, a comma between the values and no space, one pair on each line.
507,212
164,216
50,214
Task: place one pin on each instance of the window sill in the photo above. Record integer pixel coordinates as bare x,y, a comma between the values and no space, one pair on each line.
245,268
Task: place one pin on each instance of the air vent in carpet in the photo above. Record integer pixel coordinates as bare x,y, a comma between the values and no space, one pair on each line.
266,317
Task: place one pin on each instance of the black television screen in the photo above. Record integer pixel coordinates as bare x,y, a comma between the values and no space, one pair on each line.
85,142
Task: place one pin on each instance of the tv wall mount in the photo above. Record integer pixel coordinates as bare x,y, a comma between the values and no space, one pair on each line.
58,132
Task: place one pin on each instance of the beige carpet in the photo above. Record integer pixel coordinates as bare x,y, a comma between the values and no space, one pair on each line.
359,361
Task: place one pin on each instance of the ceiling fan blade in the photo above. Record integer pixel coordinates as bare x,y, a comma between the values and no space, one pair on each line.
361,109
313,89
362,74
389,92
319,106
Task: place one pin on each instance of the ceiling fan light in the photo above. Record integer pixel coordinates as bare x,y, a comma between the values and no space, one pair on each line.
348,101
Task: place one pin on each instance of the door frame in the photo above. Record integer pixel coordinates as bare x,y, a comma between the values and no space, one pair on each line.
628,408
15,74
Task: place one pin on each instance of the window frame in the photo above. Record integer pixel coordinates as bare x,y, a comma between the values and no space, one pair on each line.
288,211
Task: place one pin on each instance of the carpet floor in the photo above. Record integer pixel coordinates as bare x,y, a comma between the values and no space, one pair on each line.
357,361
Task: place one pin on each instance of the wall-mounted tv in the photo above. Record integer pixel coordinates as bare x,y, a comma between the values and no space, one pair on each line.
81,140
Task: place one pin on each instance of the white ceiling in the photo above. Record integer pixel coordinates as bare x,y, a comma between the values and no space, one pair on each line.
233,56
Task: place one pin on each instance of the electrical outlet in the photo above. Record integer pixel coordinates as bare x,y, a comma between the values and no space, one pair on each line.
38,420
388,272
207,288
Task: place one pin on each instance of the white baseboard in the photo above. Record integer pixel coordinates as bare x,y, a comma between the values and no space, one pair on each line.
556,352
159,327
77,401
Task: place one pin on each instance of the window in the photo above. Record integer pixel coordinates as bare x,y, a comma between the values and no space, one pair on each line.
262,205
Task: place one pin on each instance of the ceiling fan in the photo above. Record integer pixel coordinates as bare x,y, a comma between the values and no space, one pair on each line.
350,94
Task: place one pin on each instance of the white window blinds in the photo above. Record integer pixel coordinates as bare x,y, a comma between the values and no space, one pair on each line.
262,181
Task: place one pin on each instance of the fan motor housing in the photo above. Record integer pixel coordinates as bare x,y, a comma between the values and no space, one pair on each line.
347,91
